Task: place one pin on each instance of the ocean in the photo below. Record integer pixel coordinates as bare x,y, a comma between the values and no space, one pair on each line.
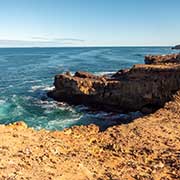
26,74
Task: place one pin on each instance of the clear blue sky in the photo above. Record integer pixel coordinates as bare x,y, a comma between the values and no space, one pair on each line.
89,22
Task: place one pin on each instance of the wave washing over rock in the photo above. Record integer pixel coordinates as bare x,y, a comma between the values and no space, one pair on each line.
145,149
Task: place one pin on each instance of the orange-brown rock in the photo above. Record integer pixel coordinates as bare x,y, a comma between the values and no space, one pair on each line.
160,59
142,86
146,149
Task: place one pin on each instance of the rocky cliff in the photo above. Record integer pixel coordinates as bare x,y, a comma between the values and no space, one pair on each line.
145,149
143,86
176,47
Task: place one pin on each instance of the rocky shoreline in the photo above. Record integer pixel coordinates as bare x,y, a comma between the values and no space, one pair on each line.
177,47
144,87
146,149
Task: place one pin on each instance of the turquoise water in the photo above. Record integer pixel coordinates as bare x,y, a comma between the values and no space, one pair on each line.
26,74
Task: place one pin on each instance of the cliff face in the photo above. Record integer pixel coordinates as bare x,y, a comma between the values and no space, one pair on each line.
146,149
172,58
143,86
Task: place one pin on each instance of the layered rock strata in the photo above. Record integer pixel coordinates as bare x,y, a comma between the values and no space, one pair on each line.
143,86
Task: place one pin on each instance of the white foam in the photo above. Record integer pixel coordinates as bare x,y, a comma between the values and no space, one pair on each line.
48,88
62,123
36,87
2,101
104,73
30,81
42,87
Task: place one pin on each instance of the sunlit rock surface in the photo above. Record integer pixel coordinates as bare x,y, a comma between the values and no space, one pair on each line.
145,149
143,86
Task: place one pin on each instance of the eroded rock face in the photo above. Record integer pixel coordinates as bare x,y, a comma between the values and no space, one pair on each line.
149,85
155,59
145,149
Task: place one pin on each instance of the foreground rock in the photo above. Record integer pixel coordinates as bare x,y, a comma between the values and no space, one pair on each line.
146,149
143,86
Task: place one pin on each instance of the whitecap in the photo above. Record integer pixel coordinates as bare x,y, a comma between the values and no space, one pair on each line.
2,101
30,81
48,88
36,87
42,87
104,73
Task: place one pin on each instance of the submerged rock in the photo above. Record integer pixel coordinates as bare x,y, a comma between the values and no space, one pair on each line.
142,87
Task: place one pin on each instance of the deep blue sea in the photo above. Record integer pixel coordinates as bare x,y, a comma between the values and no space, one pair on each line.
26,74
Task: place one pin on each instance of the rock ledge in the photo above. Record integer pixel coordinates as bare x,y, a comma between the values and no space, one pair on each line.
147,85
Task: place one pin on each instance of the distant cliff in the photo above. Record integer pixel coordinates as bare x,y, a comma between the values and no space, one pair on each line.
176,47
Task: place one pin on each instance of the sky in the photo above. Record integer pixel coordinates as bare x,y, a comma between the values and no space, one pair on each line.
27,23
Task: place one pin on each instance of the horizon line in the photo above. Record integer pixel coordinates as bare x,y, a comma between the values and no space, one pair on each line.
88,46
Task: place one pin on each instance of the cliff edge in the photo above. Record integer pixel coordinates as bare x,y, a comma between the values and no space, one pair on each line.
146,149
143,86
